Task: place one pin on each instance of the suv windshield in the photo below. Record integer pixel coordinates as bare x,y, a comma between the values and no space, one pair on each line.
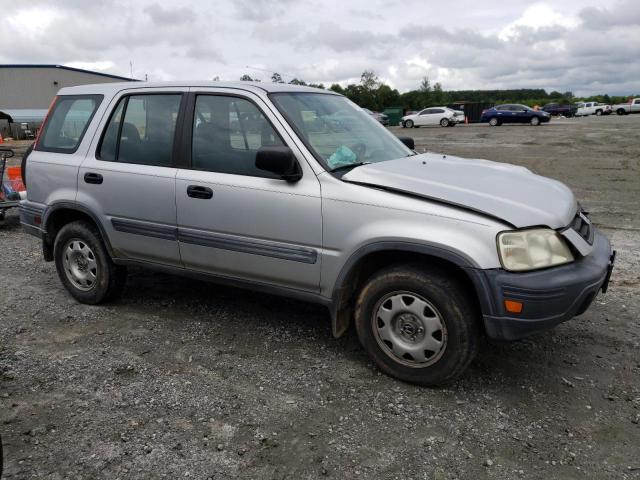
337,131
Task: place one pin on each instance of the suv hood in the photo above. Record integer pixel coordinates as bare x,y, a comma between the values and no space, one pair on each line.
510,193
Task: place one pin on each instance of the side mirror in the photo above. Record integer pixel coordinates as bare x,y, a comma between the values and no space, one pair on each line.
279,160
408,141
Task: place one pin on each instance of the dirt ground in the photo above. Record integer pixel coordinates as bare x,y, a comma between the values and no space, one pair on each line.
184,379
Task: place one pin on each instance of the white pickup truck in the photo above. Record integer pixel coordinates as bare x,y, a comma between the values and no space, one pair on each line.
632,106
592,108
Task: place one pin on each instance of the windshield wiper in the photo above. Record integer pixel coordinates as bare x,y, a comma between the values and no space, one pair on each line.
351,165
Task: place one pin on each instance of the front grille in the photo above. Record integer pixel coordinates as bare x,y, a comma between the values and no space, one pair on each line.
583,227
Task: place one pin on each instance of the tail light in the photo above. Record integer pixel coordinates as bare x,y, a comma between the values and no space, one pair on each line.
44,122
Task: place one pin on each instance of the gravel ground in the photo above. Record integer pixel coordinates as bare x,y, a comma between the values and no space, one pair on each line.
183,379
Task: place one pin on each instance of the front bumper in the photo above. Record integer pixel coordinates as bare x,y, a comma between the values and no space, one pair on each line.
549,296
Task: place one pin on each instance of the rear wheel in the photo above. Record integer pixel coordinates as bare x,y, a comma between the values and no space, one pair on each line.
408,124
444,122
621,111
84,265
598,112
418,325
535,121
494,122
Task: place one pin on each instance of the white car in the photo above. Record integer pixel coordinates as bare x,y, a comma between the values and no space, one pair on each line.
443,116
632,106
592,108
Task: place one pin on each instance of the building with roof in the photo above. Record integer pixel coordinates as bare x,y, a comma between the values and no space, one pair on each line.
26,90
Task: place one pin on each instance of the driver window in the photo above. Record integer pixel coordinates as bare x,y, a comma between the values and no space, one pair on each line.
227,133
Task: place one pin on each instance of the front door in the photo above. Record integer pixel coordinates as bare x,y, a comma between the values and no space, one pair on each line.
238,221
128,177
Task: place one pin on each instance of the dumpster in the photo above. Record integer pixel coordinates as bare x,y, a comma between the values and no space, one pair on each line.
394,114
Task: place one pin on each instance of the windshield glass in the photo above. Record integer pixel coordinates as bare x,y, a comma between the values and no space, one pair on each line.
338,132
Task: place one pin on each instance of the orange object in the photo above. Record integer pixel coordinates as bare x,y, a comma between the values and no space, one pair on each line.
512,306
14,176
1,139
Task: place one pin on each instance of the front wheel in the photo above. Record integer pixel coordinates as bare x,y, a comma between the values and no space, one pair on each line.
84,265
444,122
408,124
535,121
599,112
494,122
418,325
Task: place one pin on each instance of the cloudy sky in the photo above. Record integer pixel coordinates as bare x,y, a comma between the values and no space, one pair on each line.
587,46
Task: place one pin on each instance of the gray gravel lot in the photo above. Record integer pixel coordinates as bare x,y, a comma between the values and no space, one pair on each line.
184,379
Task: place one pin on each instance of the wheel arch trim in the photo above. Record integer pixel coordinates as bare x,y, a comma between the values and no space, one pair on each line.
73,206
340,319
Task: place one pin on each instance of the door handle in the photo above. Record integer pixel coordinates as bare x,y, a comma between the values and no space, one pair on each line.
196,191
91,177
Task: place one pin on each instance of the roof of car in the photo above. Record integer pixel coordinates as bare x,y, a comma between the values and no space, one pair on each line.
240,85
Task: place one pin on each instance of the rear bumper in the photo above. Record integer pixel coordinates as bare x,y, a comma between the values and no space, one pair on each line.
549,297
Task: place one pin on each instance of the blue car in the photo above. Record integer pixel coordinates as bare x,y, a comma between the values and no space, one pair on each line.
513,113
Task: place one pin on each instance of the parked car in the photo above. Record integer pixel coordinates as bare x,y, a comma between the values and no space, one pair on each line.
632,106
592,108
558,109
424,252
380,117
443,116
513,113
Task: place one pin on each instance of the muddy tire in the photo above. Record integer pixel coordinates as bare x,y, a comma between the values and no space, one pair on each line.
84,265
418,324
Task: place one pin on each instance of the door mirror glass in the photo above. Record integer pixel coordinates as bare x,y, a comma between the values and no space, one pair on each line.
280,161
408,141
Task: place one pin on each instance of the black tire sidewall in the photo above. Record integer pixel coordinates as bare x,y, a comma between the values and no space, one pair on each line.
444,122
88,234
409,124
452,303
535,121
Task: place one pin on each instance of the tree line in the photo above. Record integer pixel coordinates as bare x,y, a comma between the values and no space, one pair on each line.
374,94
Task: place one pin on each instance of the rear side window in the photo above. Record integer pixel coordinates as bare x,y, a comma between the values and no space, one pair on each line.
141,130
67,123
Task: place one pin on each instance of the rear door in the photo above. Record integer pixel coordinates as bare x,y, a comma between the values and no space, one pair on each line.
128,177
238,221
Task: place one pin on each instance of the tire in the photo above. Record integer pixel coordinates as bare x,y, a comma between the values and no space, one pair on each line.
23,164
494,122
450,316
621,111
444,122
535,121
408,124
84,265
598,112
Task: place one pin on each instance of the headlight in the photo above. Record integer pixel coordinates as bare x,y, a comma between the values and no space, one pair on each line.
532,249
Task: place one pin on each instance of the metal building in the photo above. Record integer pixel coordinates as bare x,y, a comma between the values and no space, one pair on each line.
27,90
33,86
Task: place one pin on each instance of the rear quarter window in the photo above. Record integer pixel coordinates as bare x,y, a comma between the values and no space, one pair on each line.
67,123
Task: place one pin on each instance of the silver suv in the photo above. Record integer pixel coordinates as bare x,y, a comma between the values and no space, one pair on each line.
299,192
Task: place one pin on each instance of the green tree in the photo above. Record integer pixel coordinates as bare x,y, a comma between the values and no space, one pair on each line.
337,88
276,78
369,80
246,78
296,81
